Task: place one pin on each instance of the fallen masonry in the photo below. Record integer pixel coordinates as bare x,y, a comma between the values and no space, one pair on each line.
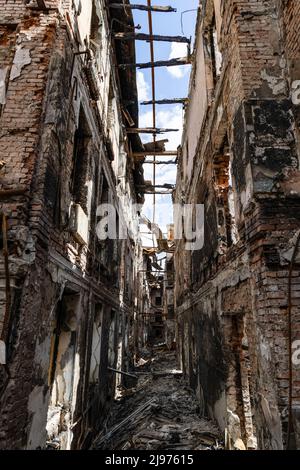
219,288
160,412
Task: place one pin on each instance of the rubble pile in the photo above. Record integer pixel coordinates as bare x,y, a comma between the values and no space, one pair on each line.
160,413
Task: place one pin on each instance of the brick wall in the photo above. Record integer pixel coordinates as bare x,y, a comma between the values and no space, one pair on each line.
239,294
47,93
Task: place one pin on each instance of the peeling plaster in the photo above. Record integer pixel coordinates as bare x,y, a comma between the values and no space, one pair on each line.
234,429
265,350
272,418
2,352
38,405
3,74
21,59
276,84
42,354
286,254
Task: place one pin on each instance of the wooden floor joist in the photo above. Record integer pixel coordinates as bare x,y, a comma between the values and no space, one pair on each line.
148,130
159,186
166,153
159,163
160,9
167,191
167,101
148,37
159,63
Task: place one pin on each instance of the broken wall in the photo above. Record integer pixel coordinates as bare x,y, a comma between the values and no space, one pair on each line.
56,170
235,296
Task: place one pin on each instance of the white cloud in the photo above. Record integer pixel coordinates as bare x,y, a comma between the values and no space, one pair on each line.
146,119
143,87
178,50
171,118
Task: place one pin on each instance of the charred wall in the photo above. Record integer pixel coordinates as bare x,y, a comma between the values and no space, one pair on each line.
236,295
56,170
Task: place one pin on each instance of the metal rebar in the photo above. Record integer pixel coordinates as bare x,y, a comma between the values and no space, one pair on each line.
122,372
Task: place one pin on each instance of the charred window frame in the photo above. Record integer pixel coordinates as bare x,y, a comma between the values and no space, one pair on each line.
213,56
224,190
111,351
96,31
97,340
107,253
158,317
79,175
60,332
128,275
101,252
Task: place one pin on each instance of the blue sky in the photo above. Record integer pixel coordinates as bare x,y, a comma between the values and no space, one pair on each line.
171,82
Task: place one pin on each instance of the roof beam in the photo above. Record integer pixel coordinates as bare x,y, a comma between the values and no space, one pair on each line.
148,130
155,8
167,191
159,163
160,63
166,153
167,101
160,186
149,37
41,4
7,193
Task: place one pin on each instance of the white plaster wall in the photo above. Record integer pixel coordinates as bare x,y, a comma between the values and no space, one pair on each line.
196,110
217,5
84,19
38,406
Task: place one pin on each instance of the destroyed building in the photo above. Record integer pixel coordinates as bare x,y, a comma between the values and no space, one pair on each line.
237,296
85,307
67,296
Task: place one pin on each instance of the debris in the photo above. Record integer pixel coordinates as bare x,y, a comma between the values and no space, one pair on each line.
168,420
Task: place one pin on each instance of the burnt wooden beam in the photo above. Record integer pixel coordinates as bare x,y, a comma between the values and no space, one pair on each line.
166,153
159,163
167,191
167,101
148,130
149,37
128,118
39,5
159,63
156,8
160,186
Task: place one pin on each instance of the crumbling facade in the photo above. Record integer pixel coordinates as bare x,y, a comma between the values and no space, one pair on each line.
67,297
237,297
155,320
